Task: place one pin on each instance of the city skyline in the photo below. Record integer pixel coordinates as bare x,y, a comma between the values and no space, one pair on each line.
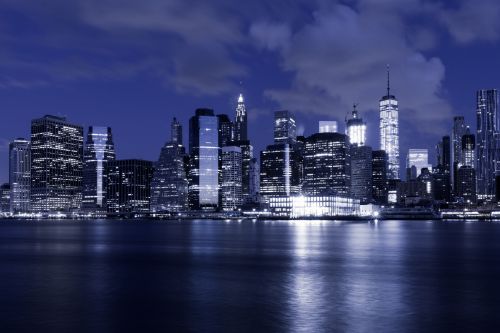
46,72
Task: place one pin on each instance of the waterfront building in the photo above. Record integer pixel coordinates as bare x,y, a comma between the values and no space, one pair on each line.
20,175
128,189
327,165
254,181
5,198
99,149
285,128
56,165
466,185
240,124
232,197
169,186
389,131
361,173
379,177
247,156
468,145
356,129
313,206
203,176
279,171
329,126
441,184
418,158
443,150
487,127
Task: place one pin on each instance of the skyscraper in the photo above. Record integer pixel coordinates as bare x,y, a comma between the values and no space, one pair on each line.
379,176
327,165
56,165
466,173
128,186
246,155
361,173
169,186
389,131
279,171
254,180
285,129
419,158
5,198
225,130
204,161
240,125
456,138
232,197
356,129
487,127
443,150
20,175
99,149
468,147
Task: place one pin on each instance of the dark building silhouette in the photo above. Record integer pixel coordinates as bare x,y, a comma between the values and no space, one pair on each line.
169,186
225,130
441,184
327,165
459,129
5,198
99,150
56,165
379,177
232,197
361,174
128,186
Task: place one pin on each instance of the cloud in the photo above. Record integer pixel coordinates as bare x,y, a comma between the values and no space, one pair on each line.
340,58
472,20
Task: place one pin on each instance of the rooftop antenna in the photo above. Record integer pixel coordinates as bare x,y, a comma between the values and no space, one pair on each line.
388,80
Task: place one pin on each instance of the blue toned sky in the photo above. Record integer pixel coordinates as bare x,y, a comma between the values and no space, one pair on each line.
133,65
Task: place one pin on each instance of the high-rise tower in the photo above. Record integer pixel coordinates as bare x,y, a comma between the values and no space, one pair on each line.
240,126
389,130
20,175
356,129
487,127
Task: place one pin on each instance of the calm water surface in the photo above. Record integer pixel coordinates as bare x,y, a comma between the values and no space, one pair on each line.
301,276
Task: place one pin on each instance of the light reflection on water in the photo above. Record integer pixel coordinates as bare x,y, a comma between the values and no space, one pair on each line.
300,276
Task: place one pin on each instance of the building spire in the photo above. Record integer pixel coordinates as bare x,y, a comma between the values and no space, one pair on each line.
388,80
354,110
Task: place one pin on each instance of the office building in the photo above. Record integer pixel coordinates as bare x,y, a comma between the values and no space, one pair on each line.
285,128
254,181
128,187
459,129
379,177
5,198
225,129
389,131
99,150
328,126
418,158
240,124
56,165
169,186
361,173
203,174
327,165
20,175
232,197
356,129
487,126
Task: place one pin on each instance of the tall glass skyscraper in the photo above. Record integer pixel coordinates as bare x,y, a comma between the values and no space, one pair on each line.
56,165
169,187
487,127
356,129
20,175
204,161
240,125
389,131
99,150
232,197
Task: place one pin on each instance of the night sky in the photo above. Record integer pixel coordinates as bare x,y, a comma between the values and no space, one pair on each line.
133,65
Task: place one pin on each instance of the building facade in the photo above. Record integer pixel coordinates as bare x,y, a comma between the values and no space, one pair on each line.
204,148
99,150
356,129
20,175
56,165
232,196
129,186
487,127
169,186
389,131
279,171
379,177
327,165
285,128
361,173
240,124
